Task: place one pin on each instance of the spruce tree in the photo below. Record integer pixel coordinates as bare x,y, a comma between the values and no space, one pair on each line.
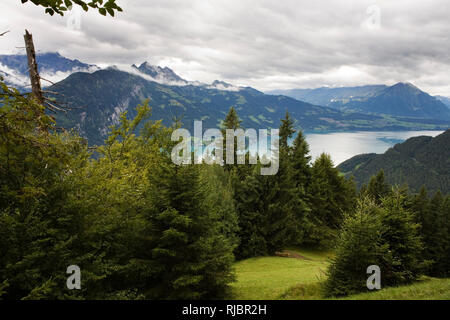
332,195
405,244
359,245
378,188
435,230
232,122
301,177
189,251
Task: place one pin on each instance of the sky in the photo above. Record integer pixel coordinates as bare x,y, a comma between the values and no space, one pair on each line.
266,44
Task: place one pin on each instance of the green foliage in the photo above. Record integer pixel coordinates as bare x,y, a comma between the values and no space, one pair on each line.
137,225
39,229
331,196
384,235
359,245
190,250
141,227
378,188
405,244
61,6
433,217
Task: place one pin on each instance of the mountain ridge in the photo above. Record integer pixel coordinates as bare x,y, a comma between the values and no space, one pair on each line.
400,99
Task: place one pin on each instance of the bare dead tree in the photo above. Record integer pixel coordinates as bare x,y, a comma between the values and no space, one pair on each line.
33,68
35,79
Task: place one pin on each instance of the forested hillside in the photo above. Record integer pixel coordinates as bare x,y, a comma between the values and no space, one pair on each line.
416,162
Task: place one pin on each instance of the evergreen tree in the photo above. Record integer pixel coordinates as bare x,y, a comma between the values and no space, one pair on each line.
378,188
286,132
39,229
436,235
331,196
301,177
251,207
385,236
359,245
405,245
232,122
191,254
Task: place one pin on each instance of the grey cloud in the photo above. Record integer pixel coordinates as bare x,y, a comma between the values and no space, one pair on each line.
262,43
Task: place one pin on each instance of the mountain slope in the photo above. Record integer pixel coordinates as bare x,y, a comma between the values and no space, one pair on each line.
444,100
417,161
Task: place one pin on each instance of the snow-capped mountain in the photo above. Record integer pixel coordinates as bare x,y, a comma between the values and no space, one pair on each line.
52,67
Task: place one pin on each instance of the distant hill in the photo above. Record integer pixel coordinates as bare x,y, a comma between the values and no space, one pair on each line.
417,161
401,99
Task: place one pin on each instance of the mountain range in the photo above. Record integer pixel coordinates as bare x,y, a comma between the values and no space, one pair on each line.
416,162
401,99
96,97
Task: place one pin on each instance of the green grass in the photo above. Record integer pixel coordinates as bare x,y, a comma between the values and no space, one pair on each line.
271,278
426,289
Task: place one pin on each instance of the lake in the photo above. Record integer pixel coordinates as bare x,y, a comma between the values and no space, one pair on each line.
342,146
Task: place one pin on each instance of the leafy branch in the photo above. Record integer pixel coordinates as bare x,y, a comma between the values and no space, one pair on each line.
104,7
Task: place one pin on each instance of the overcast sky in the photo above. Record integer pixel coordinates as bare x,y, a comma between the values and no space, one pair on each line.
273,44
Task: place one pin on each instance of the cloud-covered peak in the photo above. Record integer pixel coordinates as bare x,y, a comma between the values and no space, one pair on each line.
165,74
